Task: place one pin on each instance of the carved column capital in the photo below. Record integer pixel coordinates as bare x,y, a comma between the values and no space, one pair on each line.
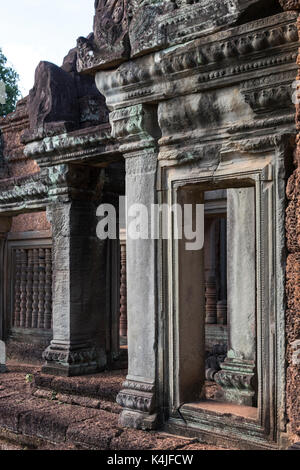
135,127
69,182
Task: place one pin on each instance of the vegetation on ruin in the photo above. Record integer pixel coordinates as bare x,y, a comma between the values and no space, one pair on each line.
10,78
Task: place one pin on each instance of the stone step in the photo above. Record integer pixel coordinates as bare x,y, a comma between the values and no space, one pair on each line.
102,387
45,418
35,423
78,400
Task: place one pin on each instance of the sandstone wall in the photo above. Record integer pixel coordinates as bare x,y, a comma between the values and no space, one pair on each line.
17,165
293,273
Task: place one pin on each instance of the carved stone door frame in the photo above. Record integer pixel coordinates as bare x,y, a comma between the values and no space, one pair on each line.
266,174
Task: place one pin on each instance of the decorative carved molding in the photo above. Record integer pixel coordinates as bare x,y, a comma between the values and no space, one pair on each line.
18,193
135,127
70,357
71,360
258,45
237,379
129,28
137,396
87,145
273,92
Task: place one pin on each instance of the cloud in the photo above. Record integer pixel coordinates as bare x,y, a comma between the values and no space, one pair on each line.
42,30
24,59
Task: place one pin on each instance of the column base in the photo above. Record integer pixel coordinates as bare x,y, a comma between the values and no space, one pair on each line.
137,420
70,361
138,399
237,379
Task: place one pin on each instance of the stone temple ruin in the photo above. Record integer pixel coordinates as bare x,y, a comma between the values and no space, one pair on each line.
167,101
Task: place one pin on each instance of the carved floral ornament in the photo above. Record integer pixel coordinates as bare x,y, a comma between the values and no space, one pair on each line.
111,20
220,53
128,28
31,189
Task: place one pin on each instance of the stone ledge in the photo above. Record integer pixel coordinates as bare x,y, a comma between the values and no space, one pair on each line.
33,422
103,386
78,427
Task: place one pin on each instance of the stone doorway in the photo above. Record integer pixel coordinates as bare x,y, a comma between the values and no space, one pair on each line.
235,395
234,368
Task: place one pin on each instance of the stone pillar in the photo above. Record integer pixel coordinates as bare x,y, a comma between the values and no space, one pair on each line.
135,127
237,376
5,226
79,274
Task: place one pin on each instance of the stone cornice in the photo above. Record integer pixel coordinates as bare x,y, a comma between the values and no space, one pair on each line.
63,182
26,194
228,57
92,145
251,140
125,29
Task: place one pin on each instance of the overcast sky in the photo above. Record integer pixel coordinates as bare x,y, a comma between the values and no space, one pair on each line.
35,30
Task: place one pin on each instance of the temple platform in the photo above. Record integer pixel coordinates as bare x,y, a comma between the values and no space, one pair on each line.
40,412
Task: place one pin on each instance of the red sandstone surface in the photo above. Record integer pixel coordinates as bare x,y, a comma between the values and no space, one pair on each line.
47,417
293,278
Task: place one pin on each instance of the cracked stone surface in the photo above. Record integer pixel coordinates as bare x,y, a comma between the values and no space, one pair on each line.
44,418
